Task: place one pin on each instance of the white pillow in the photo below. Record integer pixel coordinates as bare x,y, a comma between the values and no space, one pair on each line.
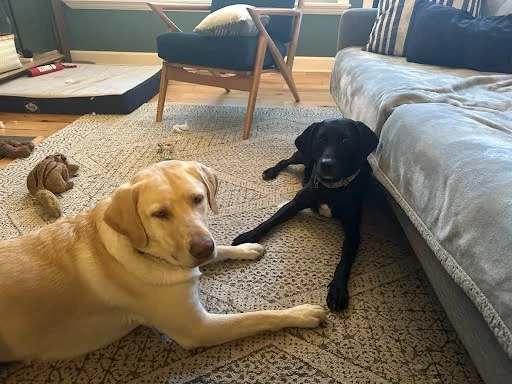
231,21
9,59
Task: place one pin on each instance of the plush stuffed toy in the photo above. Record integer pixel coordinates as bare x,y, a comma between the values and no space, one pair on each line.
13,149
50,176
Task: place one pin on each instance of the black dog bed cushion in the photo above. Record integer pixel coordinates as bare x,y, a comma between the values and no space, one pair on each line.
88,88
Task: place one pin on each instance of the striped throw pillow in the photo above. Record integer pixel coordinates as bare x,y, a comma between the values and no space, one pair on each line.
389,32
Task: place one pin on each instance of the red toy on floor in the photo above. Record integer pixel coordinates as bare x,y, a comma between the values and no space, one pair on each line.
44,69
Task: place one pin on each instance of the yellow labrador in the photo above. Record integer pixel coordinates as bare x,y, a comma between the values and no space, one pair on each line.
87,280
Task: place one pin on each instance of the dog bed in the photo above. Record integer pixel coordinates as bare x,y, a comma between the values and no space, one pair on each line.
88,88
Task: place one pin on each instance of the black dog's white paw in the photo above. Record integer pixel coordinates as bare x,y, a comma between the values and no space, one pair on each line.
337,297
270,174
247,237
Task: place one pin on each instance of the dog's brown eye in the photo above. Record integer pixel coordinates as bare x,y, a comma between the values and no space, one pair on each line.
161,214
345,141
198,199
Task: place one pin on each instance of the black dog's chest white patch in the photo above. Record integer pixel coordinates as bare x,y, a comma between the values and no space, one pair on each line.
324,210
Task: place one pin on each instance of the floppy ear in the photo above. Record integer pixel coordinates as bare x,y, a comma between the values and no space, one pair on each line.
304,142
122,216
368,139
211,182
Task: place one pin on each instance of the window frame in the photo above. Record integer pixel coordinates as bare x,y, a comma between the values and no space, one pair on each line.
318,7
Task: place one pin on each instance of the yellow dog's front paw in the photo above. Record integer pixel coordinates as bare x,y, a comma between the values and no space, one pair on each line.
307,315
251,251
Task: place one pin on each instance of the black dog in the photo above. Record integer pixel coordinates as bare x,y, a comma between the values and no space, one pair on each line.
336,175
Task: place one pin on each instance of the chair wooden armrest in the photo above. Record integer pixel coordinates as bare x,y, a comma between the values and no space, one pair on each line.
159,9
296,12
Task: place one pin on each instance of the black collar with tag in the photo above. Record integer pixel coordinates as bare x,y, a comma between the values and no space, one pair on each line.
337,184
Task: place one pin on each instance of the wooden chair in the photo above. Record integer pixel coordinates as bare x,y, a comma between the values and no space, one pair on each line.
231,63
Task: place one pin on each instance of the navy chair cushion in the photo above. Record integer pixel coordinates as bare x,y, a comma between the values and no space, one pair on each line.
236,53
446,36
280,28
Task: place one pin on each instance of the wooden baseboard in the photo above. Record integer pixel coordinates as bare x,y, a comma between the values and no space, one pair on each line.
302,63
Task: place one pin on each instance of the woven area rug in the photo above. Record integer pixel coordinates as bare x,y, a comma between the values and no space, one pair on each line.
394,330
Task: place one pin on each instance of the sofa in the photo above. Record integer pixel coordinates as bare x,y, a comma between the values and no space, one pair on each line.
445,161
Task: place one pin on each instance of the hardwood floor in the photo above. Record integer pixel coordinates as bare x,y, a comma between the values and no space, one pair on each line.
37,125
313,90
273,91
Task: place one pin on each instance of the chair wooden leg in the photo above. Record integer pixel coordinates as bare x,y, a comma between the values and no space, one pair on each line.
285,70
217,74
288,77
253,95
164,82
251,105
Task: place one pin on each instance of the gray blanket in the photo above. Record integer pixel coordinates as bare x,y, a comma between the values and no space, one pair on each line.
451,171
445,154
368,87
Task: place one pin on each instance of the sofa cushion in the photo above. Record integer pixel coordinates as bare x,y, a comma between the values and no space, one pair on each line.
449,168
233,20
390,29
442,35
369,87
237,53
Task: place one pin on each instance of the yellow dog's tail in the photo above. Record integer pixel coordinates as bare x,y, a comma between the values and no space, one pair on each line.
49,202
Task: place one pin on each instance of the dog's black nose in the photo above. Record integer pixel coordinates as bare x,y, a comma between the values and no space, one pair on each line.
327,166
202,247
